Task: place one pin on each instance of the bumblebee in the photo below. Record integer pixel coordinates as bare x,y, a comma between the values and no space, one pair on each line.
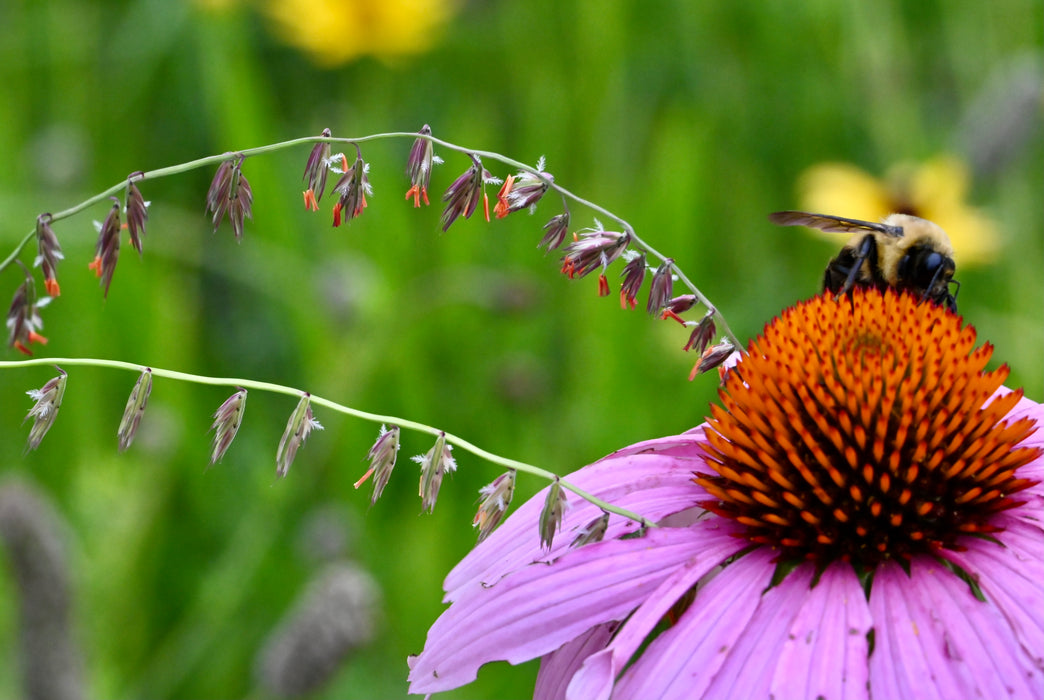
903,252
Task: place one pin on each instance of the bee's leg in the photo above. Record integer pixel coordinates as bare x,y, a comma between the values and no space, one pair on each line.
951,299
867,249
943,295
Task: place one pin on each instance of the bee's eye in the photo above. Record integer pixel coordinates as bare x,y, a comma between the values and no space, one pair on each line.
921,267
928,267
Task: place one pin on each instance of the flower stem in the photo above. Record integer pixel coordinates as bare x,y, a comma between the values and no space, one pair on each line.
273,388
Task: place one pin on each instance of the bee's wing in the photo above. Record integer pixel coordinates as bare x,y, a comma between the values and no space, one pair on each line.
831,224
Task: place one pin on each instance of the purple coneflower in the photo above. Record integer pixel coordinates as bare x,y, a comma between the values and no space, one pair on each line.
861,518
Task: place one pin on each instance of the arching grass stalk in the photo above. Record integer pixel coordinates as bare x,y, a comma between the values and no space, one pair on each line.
631,237
230,196
273,388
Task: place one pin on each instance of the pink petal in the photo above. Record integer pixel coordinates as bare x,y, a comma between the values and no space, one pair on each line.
1031,512
751,664
934,639
653,478
683,660
537,609
597,675
1010,577
559,666
825,655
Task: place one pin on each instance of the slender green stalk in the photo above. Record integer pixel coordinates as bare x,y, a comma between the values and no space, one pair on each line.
273,388
17,250
626,228
490,155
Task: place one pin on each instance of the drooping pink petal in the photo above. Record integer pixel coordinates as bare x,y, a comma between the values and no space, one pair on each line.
934,639
595,679
900,666
652,478
1010,577
558,667
1031,513
750,665
538,608
735,643
683,660
825,655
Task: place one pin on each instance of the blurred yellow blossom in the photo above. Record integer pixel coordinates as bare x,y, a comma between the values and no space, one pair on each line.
934,190
334,32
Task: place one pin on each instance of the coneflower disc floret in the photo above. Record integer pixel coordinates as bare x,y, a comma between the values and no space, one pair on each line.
861,428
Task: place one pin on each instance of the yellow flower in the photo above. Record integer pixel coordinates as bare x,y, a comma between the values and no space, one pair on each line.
335,32
933,190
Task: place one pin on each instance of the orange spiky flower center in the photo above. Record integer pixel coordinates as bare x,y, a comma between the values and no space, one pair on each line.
862,428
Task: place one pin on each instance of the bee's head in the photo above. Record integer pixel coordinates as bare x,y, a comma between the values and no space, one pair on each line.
926,270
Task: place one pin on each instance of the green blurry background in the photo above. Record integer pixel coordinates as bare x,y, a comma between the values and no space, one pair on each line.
691,120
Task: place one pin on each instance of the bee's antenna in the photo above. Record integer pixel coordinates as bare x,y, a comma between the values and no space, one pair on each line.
950,300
